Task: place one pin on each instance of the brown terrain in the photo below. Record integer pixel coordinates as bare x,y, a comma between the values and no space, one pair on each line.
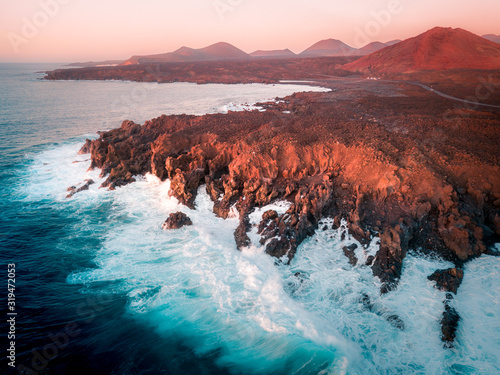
471,84
400,163
267,70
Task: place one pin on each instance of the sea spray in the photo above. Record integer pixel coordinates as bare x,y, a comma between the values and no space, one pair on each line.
195,283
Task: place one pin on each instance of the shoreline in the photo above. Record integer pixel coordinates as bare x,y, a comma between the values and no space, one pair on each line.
356,153
398,156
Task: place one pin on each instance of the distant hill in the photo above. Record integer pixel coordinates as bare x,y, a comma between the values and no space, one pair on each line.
492,38
334,47
329,47
282,53
372,47
437,49
393,42
218,51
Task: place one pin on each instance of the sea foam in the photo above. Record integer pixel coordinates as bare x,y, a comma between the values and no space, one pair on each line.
260,316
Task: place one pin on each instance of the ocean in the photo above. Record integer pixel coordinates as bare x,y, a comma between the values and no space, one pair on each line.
100,288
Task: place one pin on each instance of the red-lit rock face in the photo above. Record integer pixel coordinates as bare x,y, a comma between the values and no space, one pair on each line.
437,49
401,183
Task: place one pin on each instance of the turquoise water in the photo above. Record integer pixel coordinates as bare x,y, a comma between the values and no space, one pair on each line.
146,301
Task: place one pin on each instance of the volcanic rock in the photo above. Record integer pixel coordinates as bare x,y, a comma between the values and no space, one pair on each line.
176,221
349,253
85,185
448,280
85,148
388,263
409,189
449,325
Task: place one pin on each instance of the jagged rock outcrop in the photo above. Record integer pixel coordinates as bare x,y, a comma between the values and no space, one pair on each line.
388,263
86,147
85,185
407,188
449,324
176,221
349,253
448,280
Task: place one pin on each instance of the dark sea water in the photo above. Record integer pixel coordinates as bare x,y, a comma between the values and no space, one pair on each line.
101,289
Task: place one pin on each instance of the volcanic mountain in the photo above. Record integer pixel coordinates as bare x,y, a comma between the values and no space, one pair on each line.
492,37
329,47
375,46
393,42
281,54
372,47
225,51
218,51
437,49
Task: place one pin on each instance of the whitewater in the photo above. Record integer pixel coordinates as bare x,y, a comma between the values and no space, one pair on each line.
187,301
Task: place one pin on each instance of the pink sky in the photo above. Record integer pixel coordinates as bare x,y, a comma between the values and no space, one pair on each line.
81,30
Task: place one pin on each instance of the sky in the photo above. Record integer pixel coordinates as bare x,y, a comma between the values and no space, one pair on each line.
83,30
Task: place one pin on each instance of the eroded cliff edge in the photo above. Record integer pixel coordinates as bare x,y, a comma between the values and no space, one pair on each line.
398,164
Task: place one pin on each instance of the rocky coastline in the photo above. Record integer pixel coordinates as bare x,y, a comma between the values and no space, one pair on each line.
384,157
